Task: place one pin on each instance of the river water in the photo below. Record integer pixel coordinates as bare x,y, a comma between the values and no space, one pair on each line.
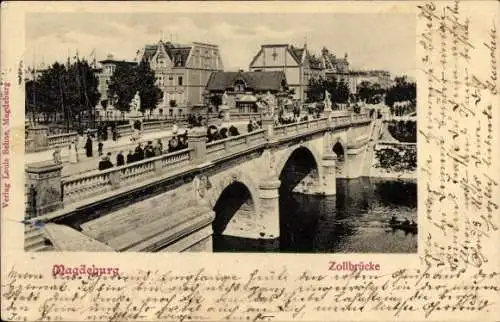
353,221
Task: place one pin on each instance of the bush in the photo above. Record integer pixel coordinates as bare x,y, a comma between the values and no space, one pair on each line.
403,131
402,158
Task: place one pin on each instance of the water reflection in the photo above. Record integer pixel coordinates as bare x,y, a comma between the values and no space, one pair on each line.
353,221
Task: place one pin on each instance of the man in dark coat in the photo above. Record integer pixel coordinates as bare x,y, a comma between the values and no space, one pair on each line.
100,147
139,153
120,159
88,147
149,151
130,157
106,162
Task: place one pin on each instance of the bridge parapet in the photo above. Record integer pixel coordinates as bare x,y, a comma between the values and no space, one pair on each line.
98,183
88,185
234,144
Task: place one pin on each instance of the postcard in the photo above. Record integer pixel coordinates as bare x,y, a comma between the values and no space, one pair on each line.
250,161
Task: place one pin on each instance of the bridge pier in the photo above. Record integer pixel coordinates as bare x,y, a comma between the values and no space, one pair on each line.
354,162
269,211
328,183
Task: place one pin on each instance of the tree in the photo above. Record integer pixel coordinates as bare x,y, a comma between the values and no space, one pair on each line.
341,93
315,90
401,91
128,80
148,91
66,90
122,87
216,100
104,104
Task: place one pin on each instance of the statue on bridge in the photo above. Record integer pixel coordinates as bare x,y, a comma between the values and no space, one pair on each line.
225,99
327,101
135,104
268,102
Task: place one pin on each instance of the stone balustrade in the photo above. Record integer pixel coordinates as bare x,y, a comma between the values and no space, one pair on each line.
99,182
124,130
245,116
300,127
234,144
60,140
153,126
92,184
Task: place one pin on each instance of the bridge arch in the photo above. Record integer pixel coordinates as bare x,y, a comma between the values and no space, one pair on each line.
339,148
234,209
301,156
235,200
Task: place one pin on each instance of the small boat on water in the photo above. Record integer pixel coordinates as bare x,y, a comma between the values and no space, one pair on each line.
406,226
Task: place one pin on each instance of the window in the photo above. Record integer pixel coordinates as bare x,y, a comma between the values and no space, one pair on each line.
239,86
170,112
180,80
180,111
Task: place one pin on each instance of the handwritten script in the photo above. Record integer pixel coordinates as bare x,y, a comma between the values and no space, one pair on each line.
459,197
461,107
258,295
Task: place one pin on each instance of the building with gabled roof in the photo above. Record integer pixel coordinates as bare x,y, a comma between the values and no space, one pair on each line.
182,72
245,89
297,63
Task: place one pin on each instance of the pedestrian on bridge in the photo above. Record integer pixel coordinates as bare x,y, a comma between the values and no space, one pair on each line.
130,157
158,149
120,159
73,153
88,147
139,153
100,147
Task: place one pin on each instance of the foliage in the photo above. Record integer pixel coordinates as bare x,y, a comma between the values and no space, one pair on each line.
128,80
401,91
68,90
339,91
216,100
104,104
403,158
403,131
369,92
122,87
150,94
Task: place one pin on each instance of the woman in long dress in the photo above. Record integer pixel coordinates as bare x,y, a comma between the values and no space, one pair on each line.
73,153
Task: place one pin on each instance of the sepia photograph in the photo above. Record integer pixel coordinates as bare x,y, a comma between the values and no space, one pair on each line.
175,132
258,161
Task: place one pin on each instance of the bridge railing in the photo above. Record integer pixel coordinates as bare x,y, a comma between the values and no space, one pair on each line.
300,127
95,183
98,182
124,130
60,140
234,144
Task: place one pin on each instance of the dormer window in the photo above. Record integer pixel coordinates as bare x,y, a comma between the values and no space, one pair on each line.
239,86
178,60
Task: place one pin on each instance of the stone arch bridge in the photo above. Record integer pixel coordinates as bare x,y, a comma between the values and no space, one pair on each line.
177,201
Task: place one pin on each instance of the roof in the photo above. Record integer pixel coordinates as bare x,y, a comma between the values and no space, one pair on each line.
314,62
297,52
259,81
177,53
330,61
117,62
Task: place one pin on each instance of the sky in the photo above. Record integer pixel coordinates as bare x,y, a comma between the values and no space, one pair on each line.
372,41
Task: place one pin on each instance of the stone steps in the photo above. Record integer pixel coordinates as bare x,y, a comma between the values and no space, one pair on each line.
165,222
34,240
133,217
